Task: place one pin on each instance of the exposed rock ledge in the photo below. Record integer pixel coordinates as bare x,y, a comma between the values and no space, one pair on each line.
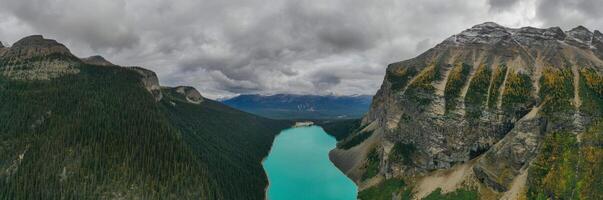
97,60
150,81
190,93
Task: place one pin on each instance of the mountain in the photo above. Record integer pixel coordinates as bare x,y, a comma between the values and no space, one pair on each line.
76,128
492,112
292,106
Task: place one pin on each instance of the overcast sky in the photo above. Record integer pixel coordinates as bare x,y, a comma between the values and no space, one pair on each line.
229,47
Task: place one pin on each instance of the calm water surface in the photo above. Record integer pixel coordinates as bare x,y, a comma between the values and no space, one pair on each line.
298,167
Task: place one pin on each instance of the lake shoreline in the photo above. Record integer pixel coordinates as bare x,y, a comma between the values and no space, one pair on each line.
309,173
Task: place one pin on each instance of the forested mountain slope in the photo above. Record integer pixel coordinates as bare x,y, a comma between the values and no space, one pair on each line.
85,129
492,112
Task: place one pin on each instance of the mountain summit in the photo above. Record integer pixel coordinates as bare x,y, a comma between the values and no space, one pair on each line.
37,58
487,102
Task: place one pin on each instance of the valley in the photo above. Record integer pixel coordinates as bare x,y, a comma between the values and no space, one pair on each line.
489,113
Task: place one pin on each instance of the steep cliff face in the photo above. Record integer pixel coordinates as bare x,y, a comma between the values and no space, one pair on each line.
150,81
490,94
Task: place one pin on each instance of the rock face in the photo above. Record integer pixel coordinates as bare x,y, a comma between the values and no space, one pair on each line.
487,93
97,60
190,93
37,58
2,48
150,81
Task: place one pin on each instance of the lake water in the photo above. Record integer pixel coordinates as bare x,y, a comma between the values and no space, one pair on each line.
298,167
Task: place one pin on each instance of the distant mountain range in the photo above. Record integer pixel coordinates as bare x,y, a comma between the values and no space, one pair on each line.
293,106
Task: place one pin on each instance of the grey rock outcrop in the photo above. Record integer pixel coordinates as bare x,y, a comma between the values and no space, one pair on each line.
2,48
149,81
498,166
97,60
36,46
190,94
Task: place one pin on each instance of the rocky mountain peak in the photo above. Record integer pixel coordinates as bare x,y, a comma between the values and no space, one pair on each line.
36,46
597,40
1,45
485,33
37,58
490,33
190,93
581,33
38,41
553,33
97,60
488,25
598,35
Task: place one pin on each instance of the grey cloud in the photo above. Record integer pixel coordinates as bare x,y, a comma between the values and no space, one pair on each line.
569,14
501,4
258,46
325,81
92,22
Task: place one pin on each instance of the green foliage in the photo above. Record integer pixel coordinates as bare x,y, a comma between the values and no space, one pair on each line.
341,129
26,63
454,85
516,92
230,142
590,181
460,194
593,80
557,89
477,93
384,190
420,90
371,168
100,135
498,77
567,169
399,79
591,93
80,140
425,79
402,152
354,140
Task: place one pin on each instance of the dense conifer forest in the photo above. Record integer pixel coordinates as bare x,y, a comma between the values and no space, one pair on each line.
99,134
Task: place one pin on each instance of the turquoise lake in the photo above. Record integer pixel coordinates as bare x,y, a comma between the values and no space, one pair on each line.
298,167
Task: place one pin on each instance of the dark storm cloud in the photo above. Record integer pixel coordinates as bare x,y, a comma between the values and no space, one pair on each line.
569,14
502,4
263,46
85,23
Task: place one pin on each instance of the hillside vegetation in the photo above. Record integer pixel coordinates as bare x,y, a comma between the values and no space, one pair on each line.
98,132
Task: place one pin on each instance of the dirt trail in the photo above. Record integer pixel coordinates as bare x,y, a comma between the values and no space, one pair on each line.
517,187
448,180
